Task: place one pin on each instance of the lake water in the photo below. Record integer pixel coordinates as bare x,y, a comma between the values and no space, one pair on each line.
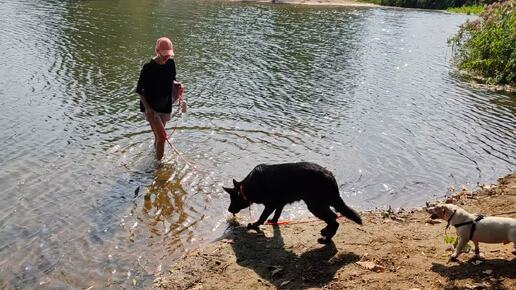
368,93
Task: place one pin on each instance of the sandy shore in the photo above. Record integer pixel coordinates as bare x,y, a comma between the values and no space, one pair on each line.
311,2
393,250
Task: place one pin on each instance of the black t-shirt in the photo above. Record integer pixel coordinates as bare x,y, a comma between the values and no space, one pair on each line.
155,84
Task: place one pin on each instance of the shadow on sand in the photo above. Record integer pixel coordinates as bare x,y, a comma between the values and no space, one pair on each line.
283,268
497,269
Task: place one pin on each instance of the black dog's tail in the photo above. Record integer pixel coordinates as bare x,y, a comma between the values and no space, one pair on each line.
346,211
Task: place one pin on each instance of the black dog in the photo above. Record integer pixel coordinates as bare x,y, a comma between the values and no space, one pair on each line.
277,185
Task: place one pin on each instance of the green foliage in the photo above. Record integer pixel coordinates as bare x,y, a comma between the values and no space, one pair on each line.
377,2
453,241
471,9
430,4
427,4
450,240
487,45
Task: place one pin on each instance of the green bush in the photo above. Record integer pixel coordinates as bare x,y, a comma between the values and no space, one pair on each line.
427,4
474,9
487,45
430,4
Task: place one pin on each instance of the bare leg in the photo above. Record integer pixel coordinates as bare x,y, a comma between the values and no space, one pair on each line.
164,122
153,132
160,136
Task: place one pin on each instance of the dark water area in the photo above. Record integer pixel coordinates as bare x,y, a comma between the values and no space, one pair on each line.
369,93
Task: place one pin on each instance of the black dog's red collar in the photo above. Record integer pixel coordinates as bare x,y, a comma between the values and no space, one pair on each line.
245,198
243,195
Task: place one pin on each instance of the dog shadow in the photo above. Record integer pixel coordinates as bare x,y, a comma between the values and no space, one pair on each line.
497,268
283,268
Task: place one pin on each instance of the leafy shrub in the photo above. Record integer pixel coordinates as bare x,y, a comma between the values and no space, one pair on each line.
431,4
474,9
427,4
487,45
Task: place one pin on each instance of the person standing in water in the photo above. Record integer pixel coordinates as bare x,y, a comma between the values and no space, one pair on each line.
155,90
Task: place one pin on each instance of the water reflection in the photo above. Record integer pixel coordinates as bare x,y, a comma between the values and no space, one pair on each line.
164,201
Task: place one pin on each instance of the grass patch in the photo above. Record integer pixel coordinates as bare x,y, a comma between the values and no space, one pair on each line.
473,9
450,240
377,2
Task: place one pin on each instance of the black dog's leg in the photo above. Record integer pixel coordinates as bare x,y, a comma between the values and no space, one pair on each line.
327,215
277,214
263,217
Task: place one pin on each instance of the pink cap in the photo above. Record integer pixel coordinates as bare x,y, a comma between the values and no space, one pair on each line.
164,46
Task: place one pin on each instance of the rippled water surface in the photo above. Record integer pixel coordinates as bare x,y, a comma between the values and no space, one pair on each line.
366,92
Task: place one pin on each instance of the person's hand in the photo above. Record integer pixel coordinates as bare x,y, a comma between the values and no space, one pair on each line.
181,90
180,94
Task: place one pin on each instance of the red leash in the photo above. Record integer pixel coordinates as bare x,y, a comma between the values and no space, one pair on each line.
297,222
179,101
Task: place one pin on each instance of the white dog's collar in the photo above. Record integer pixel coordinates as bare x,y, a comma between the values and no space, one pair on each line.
449,219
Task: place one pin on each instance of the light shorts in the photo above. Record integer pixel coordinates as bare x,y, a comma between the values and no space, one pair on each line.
159,116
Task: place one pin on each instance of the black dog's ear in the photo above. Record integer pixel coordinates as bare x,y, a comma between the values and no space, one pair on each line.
228,190
235,183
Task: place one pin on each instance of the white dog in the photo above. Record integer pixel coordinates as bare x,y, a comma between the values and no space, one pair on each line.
475,228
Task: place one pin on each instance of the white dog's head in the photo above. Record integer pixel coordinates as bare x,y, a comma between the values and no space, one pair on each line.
442,211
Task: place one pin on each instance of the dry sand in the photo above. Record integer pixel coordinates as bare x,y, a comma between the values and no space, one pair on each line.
392,250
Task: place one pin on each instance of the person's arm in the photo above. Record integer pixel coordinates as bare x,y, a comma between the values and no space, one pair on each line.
181,89
183,101
140,89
